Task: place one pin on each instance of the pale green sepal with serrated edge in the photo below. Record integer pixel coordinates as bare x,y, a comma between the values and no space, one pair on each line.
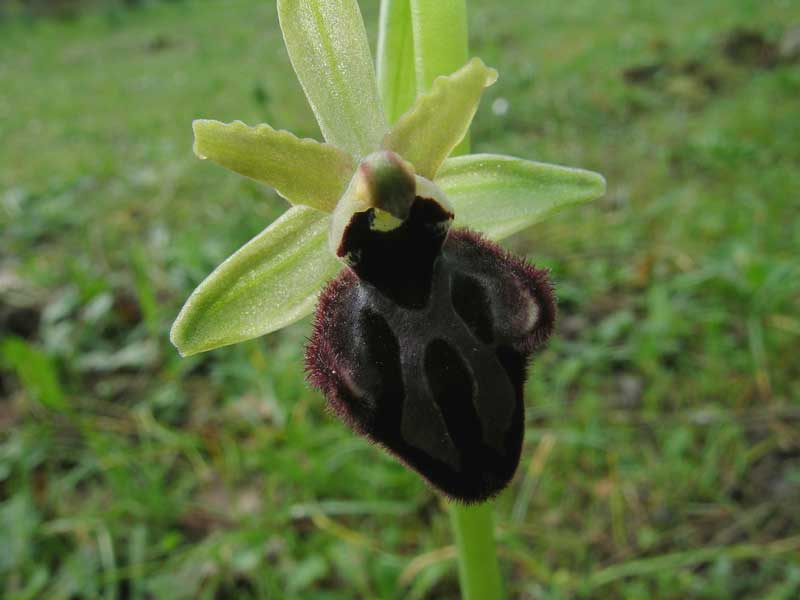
439,119
303,171
269,283
501,195
328,47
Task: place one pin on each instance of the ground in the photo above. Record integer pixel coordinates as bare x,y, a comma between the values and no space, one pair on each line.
662,454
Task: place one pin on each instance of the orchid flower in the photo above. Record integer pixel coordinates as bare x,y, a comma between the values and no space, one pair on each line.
370,223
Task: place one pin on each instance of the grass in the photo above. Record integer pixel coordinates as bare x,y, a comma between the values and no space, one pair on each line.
662,455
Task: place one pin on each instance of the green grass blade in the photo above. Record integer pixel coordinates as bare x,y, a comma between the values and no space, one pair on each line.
674,561
36,372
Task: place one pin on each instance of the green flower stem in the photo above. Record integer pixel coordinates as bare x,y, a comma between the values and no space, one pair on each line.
440,47
478,569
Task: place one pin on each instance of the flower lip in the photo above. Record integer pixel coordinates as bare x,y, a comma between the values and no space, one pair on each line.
439,385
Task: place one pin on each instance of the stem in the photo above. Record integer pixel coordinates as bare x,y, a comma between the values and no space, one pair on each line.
478,569
439,29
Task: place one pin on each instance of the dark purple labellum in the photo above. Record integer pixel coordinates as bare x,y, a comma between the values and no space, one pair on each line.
423,344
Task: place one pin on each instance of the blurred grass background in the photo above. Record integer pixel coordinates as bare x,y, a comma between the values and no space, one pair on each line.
662,455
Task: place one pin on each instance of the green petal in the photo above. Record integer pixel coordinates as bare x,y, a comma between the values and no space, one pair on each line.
501,195
396,69
269,283
329,51
438,121
302,171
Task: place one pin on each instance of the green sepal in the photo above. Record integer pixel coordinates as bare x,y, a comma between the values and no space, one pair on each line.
440,38
269,283
501,195
427,133
395,60
328,47
303,171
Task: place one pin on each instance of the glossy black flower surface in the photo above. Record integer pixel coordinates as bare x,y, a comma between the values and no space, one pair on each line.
422,345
